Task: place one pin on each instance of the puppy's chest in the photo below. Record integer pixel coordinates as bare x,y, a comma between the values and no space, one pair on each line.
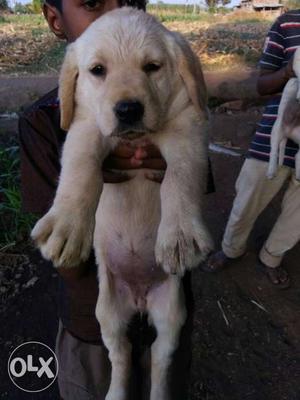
131,208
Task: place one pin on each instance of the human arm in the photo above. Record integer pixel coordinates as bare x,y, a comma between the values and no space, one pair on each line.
271,82
275,71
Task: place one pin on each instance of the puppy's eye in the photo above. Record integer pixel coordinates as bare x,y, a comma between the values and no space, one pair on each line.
151,67
98,70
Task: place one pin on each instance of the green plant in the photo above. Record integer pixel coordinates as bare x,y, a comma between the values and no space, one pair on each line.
14,224
20,8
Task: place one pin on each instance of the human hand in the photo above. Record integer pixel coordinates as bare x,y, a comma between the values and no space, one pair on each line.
292,117
129,156
289,70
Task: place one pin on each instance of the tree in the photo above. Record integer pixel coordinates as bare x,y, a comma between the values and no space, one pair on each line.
214,3
37,6
3,5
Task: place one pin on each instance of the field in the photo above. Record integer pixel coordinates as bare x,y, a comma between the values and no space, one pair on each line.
222,41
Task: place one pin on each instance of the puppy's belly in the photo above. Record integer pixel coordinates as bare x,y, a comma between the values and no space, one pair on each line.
134,271
126,228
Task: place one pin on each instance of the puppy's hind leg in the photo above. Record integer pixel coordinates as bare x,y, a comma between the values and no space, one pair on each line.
275,143
282,145
113,318
296,138
297,165
167,310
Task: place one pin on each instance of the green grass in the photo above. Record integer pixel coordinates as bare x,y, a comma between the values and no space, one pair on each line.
14,224
27,19
182,17
169,13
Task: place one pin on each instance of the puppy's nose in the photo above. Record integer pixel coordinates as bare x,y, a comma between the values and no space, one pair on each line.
129,111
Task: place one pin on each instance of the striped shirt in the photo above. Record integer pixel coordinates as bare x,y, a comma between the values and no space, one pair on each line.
281,43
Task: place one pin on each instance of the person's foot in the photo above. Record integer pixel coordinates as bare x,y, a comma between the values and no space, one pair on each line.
278,276
216,262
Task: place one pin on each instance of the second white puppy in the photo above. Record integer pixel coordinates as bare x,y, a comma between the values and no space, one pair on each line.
287,125
128,78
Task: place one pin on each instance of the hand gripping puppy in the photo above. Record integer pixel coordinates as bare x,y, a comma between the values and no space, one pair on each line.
287,125
129,78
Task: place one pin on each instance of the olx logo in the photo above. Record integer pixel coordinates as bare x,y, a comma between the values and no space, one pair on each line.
32,367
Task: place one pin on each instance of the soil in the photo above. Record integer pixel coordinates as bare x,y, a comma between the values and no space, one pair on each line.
246,332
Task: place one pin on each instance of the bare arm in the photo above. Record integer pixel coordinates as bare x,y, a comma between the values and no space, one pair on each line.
271,82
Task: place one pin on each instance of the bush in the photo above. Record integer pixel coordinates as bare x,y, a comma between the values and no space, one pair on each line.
23,8
14,224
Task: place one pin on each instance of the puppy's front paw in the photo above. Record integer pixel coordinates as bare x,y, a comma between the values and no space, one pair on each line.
64,238
180,249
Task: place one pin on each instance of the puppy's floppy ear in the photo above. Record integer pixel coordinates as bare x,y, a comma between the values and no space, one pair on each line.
189,68
67,85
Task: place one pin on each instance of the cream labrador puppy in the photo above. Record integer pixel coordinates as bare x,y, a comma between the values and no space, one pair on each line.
128,78
287,125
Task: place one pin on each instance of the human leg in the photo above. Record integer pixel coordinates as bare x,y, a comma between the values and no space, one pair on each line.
84,368
286,232
254,192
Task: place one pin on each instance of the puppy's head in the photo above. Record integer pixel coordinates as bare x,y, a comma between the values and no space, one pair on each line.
130,74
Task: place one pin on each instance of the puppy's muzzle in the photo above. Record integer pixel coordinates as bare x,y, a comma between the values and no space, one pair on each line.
129,112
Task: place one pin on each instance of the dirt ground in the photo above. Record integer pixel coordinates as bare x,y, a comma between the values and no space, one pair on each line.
246,332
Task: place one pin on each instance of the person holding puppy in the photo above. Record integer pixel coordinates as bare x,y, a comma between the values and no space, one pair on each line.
84,368
254,189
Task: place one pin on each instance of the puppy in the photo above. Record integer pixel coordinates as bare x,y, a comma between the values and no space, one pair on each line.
287,125
128,78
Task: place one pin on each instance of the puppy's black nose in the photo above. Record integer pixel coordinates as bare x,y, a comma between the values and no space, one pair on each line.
129,111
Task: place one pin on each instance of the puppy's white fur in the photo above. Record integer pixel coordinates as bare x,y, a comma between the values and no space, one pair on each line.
145,233
287,128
